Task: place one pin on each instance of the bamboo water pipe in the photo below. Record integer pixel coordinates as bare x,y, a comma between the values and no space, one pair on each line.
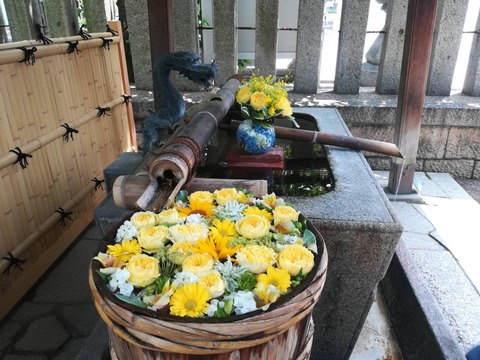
43,228
172,166
35,144
13,55
320,137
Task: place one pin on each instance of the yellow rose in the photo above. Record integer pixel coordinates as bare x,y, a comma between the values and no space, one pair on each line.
256,258
201,196
179,251
253,226
143,270
243,94
284,213
189,232
152,238
224,195
214,283
258,100
198,263
284,104
169,217
144,219
294,257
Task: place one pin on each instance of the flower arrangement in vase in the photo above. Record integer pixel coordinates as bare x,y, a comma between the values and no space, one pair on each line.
261,100
211,255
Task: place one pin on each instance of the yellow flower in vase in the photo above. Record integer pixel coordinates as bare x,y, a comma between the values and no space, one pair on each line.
189,300
259,100
124,251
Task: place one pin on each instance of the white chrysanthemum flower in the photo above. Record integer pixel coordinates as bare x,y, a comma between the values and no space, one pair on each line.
126,232
196,218
119,281
291,239
243,301
232,210
183,278
213,306
125,289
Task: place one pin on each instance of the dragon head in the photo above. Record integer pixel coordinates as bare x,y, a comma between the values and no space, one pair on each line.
189,65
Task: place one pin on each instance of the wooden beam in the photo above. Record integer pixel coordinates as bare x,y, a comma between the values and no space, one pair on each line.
413,83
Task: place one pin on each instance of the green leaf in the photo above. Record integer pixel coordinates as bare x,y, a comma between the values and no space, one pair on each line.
219,313
245,112
292,119
131,300
309,238
182,196
102,275
265,112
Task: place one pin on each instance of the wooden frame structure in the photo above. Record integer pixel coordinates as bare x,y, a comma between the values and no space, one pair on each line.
65,115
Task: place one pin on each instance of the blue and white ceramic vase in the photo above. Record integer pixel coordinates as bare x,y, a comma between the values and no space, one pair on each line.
255,139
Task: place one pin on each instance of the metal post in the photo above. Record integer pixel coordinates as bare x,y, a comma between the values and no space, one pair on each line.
413,83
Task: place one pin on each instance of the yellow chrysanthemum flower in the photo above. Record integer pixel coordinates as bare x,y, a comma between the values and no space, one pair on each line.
189,300
256,211
224,229
276,277
125,250
196,207
216,246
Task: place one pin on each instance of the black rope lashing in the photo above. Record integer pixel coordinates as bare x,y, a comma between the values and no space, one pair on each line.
40,36
13,262
29,53
73,46
65,215
111,31
98,183
22,158
69,131
106,43
127,99
83,33
102,111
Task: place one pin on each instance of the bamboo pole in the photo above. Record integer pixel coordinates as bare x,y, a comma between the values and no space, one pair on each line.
35,144
59,40
117,26
320,137
17,55
43,228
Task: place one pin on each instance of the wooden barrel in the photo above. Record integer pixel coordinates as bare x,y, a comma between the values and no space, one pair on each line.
284,331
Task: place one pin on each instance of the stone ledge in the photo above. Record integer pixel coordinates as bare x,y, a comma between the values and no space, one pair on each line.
421,329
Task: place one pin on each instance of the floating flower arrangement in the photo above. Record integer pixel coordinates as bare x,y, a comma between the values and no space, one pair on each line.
210,255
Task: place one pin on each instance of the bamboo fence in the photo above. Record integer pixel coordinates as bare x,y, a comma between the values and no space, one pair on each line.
68,109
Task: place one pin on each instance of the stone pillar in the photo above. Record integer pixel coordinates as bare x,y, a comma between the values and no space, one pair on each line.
266,37
351,42
18,19
472,78
388,78
60,15
370,67
137,13
225,38
446,43
309,46
3,21
95,15
185,35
